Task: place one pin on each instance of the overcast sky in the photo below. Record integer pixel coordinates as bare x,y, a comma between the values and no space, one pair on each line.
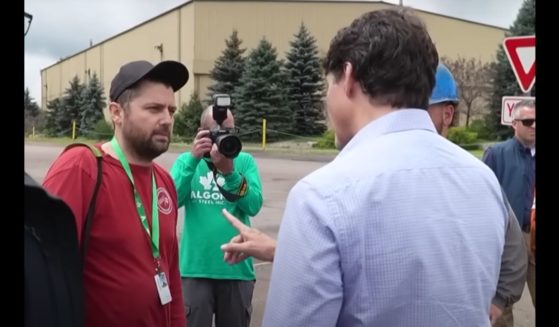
63,27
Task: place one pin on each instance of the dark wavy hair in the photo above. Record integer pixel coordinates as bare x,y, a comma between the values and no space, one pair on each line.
392,55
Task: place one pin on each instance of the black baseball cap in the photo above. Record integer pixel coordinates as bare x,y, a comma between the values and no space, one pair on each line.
170,72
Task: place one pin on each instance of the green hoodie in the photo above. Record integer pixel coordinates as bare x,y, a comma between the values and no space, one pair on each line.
205,228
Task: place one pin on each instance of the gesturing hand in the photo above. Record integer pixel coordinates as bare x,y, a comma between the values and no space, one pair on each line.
249,242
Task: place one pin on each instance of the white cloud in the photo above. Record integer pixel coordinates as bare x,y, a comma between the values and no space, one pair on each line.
34,62
500,13
61,28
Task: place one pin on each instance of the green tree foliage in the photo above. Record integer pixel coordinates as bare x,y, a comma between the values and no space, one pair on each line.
102,131
326,141
68,109
30,106
305,84
32,113
81,103
187,120
228,68
54,107
505,83
262,93
92,105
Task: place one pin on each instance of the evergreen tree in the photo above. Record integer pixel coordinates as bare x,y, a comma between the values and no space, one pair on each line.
228,68
93,103
71,106
262,93
505,83
31,108
54,109
187,120
305,84
33,117
31,111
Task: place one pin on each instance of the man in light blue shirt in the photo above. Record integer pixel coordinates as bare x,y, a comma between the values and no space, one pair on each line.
442,103
370,239
403,228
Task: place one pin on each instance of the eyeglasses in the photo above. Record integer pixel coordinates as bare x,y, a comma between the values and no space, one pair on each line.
527,122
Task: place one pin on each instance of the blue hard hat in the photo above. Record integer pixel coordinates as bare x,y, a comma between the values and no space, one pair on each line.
445,89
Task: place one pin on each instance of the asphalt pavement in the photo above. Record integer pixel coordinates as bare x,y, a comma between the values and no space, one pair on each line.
279,172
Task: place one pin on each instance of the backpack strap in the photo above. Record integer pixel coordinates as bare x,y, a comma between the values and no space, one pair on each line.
91,208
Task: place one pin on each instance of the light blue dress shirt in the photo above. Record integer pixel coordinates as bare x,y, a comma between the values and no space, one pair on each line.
403,228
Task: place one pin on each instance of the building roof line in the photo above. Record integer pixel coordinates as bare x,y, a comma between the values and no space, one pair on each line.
187,2
119,34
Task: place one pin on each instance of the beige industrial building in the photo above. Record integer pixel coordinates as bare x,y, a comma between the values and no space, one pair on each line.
195,33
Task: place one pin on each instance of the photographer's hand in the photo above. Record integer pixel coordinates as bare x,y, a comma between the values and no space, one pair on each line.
202,144
222,163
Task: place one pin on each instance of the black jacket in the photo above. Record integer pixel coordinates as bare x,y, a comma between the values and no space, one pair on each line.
53,291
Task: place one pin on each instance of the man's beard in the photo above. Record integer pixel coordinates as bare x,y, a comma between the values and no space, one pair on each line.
146,147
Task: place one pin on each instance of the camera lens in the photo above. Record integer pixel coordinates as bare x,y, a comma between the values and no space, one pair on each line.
229,145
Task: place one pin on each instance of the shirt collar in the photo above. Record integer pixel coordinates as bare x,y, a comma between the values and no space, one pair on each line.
523,148
397,121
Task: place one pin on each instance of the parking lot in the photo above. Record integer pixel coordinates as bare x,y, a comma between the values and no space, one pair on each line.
278,176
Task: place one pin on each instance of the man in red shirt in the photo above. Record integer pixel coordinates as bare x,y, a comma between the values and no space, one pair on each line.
131,275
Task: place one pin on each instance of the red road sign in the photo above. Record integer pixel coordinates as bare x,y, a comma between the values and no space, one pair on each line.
521,51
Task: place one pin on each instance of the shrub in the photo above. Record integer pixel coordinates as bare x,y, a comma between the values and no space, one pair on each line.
176,138
187,119
101,131
463,137
37,122
326,141
470,147
480,127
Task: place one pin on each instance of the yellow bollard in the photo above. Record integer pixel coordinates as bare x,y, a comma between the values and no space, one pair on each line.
264,133
73,129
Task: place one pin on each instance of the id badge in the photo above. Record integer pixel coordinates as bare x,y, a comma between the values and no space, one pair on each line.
163,288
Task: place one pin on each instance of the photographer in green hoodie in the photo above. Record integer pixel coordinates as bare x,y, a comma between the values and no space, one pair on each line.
208,181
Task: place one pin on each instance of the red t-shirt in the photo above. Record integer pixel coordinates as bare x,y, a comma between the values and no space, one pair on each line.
119,269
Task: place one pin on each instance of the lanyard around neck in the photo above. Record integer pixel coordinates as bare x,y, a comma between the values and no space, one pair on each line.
154,234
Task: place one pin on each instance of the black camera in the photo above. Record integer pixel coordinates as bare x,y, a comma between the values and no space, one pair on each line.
228,143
